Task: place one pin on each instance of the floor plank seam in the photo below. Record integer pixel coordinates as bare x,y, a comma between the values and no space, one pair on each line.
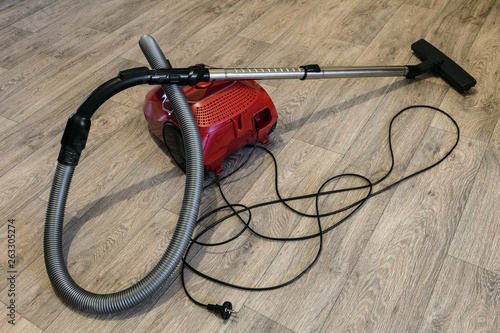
320,147
32,323
6,117
464,135
422,318
244,305
474,265
354,265
449,245
305,14
473,182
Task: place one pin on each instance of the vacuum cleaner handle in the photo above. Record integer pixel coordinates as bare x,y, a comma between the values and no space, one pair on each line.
434,61
304,72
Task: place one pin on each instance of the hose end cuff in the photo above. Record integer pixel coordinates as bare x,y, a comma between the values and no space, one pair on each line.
68,158
74,139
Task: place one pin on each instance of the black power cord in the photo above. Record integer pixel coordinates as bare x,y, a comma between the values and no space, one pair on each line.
226,309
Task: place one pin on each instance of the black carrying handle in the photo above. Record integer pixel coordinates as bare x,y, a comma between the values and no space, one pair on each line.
437,62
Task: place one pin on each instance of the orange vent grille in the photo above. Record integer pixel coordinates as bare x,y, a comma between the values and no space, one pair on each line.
225,105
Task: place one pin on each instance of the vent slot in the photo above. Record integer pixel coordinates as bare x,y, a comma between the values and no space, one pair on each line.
225,106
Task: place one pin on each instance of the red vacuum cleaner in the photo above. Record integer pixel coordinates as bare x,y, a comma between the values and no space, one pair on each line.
228,115
203,115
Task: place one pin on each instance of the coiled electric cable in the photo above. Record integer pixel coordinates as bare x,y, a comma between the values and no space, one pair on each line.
237,209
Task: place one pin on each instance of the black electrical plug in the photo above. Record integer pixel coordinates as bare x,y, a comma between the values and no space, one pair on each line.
225,310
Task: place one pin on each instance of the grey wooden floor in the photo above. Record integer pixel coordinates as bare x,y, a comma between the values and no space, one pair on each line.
424,256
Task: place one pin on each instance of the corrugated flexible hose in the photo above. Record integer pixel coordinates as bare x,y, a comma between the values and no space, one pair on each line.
62,282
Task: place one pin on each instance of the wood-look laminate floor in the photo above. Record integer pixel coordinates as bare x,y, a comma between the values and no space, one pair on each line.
423,256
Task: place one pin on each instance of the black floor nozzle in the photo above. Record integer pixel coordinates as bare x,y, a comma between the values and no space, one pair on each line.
437,62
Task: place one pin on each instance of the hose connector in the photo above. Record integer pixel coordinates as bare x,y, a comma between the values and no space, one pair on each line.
74,139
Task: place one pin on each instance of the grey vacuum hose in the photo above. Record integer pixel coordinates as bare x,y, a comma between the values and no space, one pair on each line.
58,273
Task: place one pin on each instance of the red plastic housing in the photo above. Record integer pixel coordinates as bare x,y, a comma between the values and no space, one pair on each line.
227,114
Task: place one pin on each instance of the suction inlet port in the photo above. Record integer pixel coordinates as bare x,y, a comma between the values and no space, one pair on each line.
263,118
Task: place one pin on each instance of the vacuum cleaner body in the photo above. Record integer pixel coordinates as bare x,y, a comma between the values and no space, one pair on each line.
228,115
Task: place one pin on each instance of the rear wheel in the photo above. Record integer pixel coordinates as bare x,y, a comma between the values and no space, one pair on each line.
175,145
272,128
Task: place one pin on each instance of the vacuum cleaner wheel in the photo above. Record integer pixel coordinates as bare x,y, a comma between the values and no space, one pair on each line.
272,128
175,145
